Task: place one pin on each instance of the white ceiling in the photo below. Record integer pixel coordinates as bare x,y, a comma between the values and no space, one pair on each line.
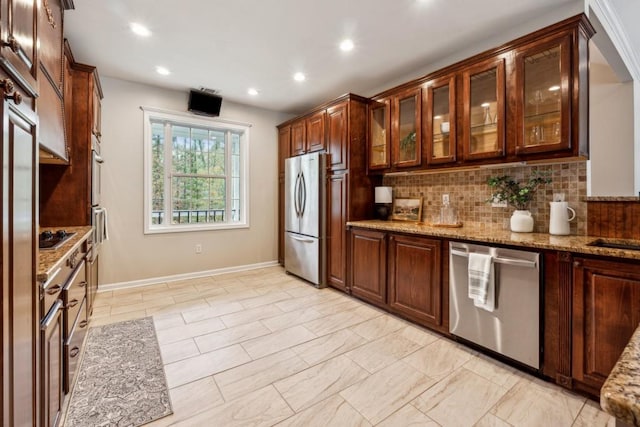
231,45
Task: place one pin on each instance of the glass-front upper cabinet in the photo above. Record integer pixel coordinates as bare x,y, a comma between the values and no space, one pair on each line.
484,110
379,134
542,79
439,100
406,138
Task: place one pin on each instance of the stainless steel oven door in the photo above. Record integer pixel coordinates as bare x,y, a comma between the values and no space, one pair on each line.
96,180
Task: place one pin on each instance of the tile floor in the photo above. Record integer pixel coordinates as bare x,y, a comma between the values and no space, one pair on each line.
262,348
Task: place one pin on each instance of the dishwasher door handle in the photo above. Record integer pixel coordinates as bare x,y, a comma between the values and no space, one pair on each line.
500,260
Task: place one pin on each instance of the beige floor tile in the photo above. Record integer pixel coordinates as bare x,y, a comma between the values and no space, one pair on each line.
304,290
337,306
152,292
166,321
306,301
212,311
420,335
534,403
178,307
460,399
408,416
101,311
178,350
494,371
333,411
292,318
378,327
490,420
368,312
592,416
334,322
118,318
251,315
382,352
231,295
230,336
118,299
386,391
277,341
157,302
319,382
264,299
195,368
189,400
328,346
254,375
190,330
439,359
199,295
261,408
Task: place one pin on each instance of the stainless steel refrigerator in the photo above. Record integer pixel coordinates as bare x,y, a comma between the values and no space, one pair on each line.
304,240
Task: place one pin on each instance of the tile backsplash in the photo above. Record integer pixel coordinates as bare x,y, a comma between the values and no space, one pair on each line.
468,192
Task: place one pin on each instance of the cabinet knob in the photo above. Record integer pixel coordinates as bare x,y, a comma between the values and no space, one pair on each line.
73,303
74,352
17,98
54,289
82,284
7,85
83,324
12,43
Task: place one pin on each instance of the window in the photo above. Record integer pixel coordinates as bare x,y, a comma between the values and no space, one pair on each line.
195,173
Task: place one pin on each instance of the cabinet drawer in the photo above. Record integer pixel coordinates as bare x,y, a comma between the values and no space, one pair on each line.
73,346
73,293
52,288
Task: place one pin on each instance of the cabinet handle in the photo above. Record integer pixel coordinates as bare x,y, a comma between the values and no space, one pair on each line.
54,290
17,98
83,324
72,303
74,352
98,134
46,322
7,85
12,43
82,284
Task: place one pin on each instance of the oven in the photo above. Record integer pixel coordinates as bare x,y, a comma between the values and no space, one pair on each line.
96,177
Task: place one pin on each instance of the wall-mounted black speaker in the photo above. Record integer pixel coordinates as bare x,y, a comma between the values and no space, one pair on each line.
204,103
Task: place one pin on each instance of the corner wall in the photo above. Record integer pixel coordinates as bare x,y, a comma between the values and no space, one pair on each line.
131,255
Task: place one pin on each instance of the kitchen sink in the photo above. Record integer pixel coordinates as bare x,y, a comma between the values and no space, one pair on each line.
629,245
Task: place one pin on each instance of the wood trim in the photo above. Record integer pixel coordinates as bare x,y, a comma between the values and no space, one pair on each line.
620,220
565,279
324,106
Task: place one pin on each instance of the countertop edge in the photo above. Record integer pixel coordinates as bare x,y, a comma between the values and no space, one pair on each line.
45,268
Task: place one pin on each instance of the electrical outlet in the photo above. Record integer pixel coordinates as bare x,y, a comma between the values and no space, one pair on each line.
198,248
445,199
498,204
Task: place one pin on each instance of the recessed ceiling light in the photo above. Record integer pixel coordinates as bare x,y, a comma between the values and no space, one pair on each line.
346,45
253,92
140,29
554,88
299,77
162,71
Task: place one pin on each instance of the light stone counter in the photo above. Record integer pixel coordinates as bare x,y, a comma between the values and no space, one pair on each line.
49,260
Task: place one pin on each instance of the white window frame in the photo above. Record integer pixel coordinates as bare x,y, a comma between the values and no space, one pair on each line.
188,119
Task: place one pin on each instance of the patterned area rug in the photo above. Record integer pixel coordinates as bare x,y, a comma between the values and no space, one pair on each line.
121,380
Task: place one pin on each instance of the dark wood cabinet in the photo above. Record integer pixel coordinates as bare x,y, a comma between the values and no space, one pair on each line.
96,111
406,133
336,227
415,283
369,265
52,362
284,146
298,138
439,120
314,126
379,146
18,20
20,295
338,136
606,312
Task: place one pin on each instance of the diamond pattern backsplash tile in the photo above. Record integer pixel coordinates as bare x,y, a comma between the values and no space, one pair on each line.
468,192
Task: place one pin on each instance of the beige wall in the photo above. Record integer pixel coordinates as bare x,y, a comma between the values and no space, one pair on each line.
611,143
131,255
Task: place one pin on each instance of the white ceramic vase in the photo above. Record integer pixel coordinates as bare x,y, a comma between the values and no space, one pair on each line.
521,221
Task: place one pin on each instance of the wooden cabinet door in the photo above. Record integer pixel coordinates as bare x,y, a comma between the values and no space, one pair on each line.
379,134
96,108
18,24
298,138
606,312
315,132
543,84
369,265
284,145
483,121
52,362
20,295
336,234
439,120
406,134
338,136
415,279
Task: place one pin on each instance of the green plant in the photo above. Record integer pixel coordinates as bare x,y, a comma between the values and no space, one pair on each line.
408,144
518,195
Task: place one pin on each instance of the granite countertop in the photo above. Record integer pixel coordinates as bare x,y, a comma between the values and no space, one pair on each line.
620,394
49,260
483,233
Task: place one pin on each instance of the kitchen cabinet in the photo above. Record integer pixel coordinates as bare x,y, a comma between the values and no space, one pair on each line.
338,136
406,134
369,266
314,126
336,236
52,361
284,146
606,312
415,283
439,120
18,20
298,138
379,134
20,296
96,111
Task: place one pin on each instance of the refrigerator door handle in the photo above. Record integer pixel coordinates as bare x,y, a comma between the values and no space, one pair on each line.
302,239
295,195
303,194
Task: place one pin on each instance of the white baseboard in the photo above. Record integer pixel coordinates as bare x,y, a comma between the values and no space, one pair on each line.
183,276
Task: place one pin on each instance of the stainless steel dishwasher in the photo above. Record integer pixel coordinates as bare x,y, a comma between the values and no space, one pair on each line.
513,328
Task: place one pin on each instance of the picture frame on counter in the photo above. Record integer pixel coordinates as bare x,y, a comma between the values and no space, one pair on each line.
407,209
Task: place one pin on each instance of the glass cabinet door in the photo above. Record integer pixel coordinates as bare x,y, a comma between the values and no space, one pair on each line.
542,80
379,135
406,136
484,114
440,120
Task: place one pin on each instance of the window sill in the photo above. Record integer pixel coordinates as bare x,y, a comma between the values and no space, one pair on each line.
194,227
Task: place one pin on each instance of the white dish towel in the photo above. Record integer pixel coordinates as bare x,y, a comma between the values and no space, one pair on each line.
482,285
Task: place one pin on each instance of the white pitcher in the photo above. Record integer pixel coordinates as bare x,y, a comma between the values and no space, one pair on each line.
559,218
